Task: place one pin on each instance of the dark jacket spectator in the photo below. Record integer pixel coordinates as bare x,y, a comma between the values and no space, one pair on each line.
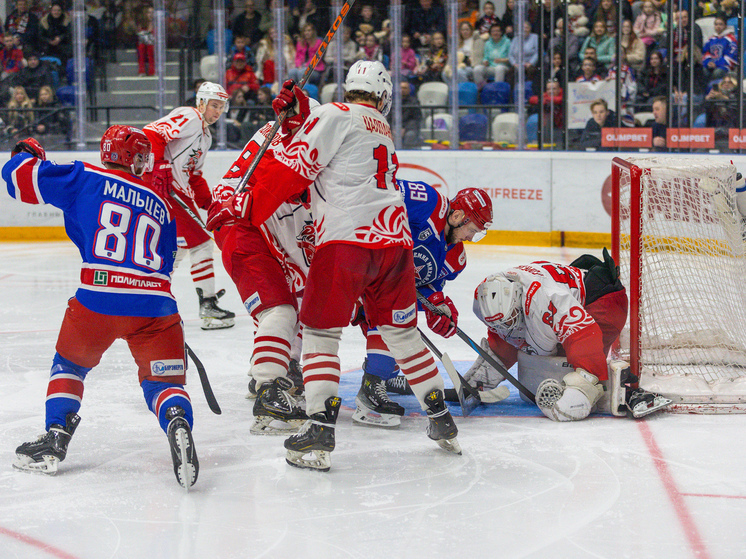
602,118
24,23
247,24
50,118
34,76
411,117
55,34
654,81
315,13
721,103
425,18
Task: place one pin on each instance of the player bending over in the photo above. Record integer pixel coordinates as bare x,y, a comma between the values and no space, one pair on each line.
269,265
439,228
363,249
180,142
127,239
537,311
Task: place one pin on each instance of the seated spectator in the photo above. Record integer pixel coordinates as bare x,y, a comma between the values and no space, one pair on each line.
241,76
602,117
424,18
588,72
371,50
681,39
729,9
241,44
53,119
721,102
25,24
487,20
495,62
530,49
635,48
465,53
349,54
55,33
552,11
467,12
317,16
247,24
11,58
305,49
720,52
126,31
654,81
649,25
367,21
590,52
435,59
192,101
21,115
604,44
411,117
146,43
607,12
557,43
660,116
409,59
35,75
627,87
508,19
556,71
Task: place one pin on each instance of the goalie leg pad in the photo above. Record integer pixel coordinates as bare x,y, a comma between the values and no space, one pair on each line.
533,369
571,400
614,399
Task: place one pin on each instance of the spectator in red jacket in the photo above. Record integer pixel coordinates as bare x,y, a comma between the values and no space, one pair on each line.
241,76
11,57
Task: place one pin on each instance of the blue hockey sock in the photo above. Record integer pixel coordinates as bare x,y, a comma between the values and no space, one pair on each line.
65,390
163,395
382,366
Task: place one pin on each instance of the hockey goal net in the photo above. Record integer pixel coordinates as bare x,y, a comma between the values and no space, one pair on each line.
679,241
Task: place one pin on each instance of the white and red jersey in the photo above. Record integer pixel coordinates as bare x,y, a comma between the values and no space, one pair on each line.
183,138
553,313
289,232
347,151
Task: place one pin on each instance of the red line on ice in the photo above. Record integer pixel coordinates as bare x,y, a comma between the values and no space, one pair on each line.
33,542
714,496
677,497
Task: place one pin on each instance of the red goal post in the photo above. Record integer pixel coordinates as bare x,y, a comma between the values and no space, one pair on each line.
678,238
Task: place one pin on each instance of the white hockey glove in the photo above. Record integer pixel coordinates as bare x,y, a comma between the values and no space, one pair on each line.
569,400
481,373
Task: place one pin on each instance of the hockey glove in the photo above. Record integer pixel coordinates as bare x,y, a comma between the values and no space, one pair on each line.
31,146
161,178
222,193
303,199
443,323
358,317
294,101
226,212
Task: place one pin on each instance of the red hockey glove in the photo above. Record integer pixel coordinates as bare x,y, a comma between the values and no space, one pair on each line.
161,178
295,101
31,146
228,211
358,317
304,199
443,324
222,193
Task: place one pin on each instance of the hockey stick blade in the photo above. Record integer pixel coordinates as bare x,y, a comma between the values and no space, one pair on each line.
486,356
206,388
468,396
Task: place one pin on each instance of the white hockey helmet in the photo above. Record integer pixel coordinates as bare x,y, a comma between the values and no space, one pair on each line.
210,90
498,302
371,76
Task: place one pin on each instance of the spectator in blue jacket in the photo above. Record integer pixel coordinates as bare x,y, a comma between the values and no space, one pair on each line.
720,52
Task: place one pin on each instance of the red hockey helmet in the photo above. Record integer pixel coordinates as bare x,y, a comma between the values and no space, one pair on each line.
477,206
126,146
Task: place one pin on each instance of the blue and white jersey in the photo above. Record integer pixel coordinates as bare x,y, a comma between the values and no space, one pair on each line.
435,262
124,232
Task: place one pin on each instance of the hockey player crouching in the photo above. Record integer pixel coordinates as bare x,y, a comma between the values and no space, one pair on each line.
127,239
439,228
537,311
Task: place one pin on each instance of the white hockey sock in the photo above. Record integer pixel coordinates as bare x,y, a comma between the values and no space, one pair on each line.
321,370
203,271
275,330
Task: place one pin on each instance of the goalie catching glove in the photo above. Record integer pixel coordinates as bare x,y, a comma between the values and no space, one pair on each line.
445,321
569,400
293,100
30,146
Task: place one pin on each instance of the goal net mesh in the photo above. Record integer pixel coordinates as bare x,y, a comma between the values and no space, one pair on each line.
691,267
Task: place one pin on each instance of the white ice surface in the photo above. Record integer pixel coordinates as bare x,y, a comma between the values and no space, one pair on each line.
672,486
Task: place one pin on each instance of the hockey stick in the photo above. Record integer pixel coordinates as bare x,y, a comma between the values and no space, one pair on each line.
193,215
307,74
486,356
206,388
467,395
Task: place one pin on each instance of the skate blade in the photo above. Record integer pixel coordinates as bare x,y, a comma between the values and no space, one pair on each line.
47,466
186,472
267,425
450,445
320,460
217,323
372,419
641,410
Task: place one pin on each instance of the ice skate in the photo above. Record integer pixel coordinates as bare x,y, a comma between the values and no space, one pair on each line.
642,403
213,317
251,394
374,407
398,385
295,374
45,453
275,411
441,428
311,446
183,452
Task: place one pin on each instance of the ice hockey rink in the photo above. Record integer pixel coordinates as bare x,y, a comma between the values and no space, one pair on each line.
668,486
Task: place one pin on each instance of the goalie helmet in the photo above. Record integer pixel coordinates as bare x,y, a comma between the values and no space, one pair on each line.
498,303
126,146
210,90
372,77
477,206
